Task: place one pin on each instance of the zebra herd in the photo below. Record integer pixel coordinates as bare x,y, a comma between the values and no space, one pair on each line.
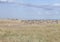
40,21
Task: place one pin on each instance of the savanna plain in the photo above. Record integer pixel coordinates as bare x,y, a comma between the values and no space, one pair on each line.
15,31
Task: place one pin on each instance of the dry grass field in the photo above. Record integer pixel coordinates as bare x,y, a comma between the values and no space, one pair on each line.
15,31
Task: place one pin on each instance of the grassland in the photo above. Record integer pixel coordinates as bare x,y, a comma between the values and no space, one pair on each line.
15,32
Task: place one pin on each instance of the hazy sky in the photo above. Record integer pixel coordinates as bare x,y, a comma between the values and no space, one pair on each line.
24,12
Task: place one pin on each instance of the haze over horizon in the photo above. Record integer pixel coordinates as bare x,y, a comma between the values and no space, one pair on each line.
49,10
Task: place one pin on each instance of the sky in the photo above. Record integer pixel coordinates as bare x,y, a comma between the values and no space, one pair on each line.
16,11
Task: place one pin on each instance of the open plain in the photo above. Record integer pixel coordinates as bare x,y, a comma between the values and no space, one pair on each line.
29,31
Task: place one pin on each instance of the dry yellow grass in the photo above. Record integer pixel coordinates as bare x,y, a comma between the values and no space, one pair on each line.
29,33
